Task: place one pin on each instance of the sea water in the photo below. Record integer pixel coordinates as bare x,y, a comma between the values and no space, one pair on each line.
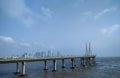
107,67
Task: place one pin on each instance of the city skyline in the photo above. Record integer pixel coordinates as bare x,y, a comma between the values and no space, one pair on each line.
60,25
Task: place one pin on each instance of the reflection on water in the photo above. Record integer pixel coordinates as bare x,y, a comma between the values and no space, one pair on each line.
105,68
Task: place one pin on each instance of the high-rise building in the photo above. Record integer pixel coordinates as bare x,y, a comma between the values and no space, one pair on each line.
49,53
37,54
43,54
24,55
58,54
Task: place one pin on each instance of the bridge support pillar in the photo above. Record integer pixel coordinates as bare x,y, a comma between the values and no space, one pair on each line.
63,63
45,68
23,69
86,61
73,63
89,61
83,61
93,60
54,65
17,68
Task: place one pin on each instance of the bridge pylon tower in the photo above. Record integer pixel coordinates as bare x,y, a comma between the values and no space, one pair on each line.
88,49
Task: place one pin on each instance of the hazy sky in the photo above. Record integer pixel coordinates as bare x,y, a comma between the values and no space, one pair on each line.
60,25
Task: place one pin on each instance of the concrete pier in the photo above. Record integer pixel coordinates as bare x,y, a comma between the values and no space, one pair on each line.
63,63
17,68
45,67
83,62
86,62
73,63
23,69
54,65
93,60
89,61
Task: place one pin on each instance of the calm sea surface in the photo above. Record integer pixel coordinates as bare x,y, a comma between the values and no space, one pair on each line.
105,68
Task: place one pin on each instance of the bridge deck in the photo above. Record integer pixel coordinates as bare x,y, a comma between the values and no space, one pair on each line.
13,60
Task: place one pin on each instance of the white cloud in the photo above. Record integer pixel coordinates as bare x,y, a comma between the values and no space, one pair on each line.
46,11
110,30
98,15
6,39
19,10
9,40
